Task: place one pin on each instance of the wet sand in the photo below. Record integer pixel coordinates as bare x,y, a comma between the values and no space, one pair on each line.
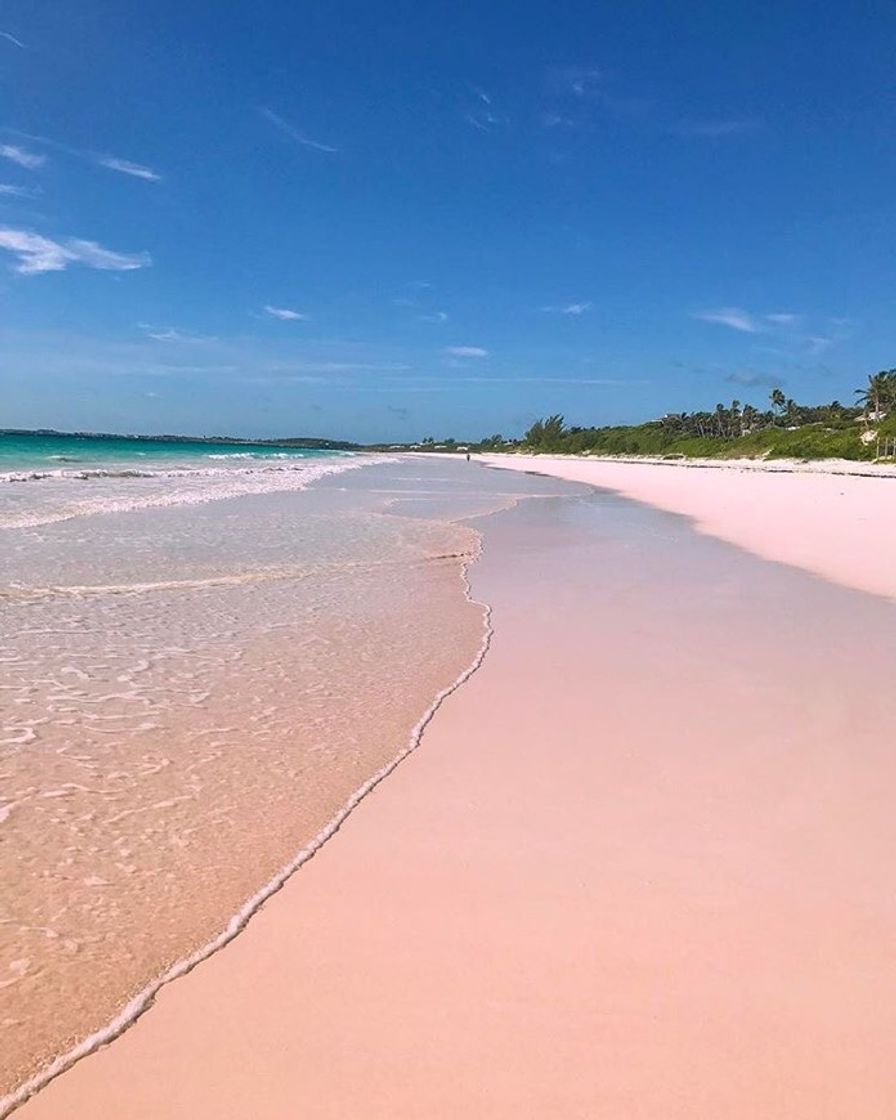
172,676
639,867
836,519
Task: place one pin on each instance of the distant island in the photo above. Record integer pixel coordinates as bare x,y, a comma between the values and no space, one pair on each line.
309,442
784,430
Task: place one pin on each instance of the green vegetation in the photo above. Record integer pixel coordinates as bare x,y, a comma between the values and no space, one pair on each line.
786,429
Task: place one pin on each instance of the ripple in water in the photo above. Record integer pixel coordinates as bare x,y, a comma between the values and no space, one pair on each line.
189,696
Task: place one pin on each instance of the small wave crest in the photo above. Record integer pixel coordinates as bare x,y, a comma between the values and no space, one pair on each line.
144,999
253,455
67,475
199,485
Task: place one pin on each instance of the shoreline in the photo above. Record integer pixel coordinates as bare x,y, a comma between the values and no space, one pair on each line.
695,922
307,753
857,467
833,523
144,1000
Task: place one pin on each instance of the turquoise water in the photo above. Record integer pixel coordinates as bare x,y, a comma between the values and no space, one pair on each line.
48,452
50,478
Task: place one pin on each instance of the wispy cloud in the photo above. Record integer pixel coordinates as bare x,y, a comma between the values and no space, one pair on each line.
786,331
570,308
576,92
346,367
126,167
733,317
465,352
285,313
12,39
485,120
294,133
172,335
99,159
41,254
716,128
435,317
580,81
748,378
444,384
818,344
742,320
557,120
14,191
482,114
22,157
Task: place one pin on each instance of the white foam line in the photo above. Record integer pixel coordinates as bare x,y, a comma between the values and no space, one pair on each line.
244,483
144,999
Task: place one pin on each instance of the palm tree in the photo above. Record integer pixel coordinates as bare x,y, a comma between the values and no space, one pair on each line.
879,393
736,419
866,397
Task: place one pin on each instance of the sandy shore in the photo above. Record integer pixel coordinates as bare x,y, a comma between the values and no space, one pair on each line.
636,869
835,519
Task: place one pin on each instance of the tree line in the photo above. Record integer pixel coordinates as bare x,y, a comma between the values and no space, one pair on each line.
874,401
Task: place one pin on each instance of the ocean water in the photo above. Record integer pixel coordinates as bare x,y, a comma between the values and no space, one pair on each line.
81,475
202,661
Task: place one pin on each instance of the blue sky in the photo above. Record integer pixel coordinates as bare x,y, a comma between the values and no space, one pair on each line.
386,221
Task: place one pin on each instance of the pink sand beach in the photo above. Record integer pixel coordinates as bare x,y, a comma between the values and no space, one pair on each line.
831,519
639,865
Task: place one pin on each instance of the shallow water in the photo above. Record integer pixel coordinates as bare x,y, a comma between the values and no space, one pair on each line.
189,694
50,478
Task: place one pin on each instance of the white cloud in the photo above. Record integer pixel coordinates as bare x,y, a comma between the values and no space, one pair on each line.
733,317
22,157
41,254
782,318
482,114
570,308
293,133
485,120
112,163
466,351
712,129
580,81
128,168
285,313
15,192
12,39
818,344
435,317
171,335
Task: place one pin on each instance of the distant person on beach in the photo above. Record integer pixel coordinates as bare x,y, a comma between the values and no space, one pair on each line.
468,456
